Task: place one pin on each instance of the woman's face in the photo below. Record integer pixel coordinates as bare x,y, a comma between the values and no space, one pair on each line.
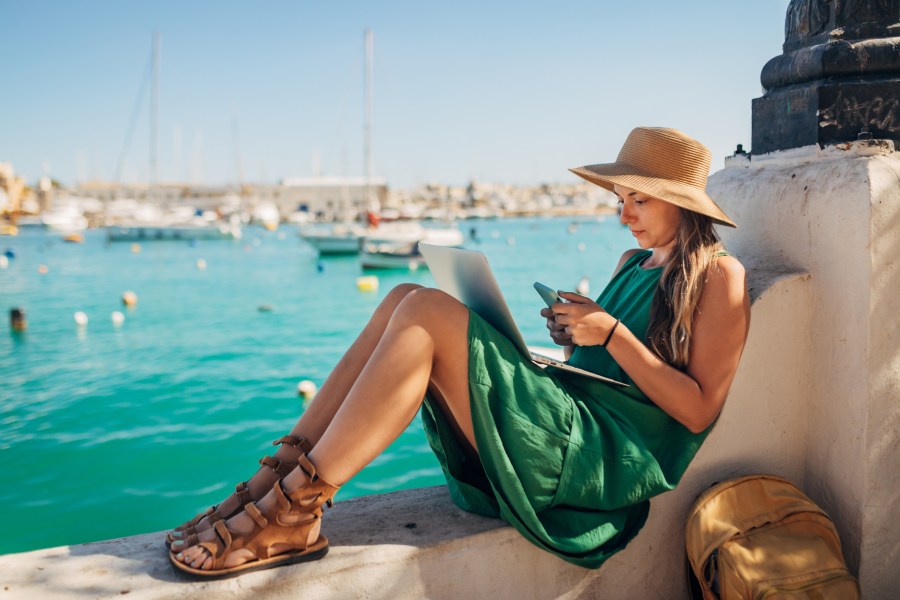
653,222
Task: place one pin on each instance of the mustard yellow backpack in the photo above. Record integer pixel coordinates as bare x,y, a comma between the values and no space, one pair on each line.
760,537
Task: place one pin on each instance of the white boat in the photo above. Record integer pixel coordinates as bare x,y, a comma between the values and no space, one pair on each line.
65,219
333,240
396,246
391,255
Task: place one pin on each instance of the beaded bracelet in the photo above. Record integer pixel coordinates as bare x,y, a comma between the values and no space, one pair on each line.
611,332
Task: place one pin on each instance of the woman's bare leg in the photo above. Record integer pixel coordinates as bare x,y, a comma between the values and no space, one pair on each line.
328,400
318,415
424,345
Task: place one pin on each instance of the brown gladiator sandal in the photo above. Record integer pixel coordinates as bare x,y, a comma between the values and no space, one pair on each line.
187,531
295,521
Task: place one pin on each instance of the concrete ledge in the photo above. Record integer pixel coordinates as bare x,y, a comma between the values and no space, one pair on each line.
408,544
417,544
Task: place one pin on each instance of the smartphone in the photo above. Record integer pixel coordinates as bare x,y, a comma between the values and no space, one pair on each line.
548,294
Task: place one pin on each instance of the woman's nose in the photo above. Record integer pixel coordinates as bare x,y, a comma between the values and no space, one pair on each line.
625,214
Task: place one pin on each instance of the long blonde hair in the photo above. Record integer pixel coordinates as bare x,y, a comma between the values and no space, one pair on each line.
680,286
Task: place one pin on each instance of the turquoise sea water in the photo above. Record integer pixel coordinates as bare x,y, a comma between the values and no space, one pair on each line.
110,431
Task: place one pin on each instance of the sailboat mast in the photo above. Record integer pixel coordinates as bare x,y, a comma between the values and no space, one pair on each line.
154,115
367,123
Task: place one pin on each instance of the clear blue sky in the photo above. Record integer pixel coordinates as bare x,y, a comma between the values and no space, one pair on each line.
511,92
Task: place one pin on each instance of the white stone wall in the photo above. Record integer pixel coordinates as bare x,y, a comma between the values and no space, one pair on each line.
835,213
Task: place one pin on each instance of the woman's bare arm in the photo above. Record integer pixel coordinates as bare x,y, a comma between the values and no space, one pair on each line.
694,397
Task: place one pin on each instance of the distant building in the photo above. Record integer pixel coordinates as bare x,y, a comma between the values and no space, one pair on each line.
14,189
339,197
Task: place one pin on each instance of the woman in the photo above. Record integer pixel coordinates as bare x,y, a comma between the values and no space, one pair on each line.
569,461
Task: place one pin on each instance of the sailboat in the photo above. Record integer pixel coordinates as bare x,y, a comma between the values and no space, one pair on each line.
148,221
398,246
392,245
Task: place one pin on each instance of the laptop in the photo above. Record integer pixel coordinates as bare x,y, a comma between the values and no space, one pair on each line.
466,275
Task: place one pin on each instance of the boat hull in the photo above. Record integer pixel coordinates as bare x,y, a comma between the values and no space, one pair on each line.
140,233
389,260
334,245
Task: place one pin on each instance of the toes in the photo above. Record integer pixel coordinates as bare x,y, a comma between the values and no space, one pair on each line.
193,557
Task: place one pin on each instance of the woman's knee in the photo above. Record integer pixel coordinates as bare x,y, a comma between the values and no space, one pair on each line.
430,307
397,294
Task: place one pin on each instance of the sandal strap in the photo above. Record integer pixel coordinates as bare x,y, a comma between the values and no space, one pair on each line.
281,468
243,493
313,474
190,540
310,469
196,519
256,514
297,442
218,548
285,515
212,515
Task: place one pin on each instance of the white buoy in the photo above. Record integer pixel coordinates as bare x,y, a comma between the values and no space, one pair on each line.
43,270
495,234
4,262
583,287
129,298
81,318
117,318
511,240
135,248
582,246
306,389
201,264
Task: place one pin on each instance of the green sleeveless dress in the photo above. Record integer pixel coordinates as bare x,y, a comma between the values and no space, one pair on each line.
569,461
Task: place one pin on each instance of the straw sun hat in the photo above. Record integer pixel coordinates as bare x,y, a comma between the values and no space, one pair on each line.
663,163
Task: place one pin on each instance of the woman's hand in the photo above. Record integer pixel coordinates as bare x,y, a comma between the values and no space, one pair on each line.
582,319
557,332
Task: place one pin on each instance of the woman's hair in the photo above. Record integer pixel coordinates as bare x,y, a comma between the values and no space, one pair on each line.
676,298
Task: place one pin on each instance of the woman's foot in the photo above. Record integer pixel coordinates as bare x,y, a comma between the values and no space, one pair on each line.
283,526
271,470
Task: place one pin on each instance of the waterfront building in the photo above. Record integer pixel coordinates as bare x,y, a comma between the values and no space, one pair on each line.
13,188
325,198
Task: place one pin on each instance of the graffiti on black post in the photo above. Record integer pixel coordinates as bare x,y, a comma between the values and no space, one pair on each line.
848,112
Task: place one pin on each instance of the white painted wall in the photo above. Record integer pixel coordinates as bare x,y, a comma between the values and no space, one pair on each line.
835,213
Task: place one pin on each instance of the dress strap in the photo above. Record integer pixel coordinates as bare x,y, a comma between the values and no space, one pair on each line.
635,259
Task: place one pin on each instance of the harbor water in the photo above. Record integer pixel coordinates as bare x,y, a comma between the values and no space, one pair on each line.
110,429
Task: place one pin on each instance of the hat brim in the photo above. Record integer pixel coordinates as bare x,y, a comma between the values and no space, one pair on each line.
682,195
